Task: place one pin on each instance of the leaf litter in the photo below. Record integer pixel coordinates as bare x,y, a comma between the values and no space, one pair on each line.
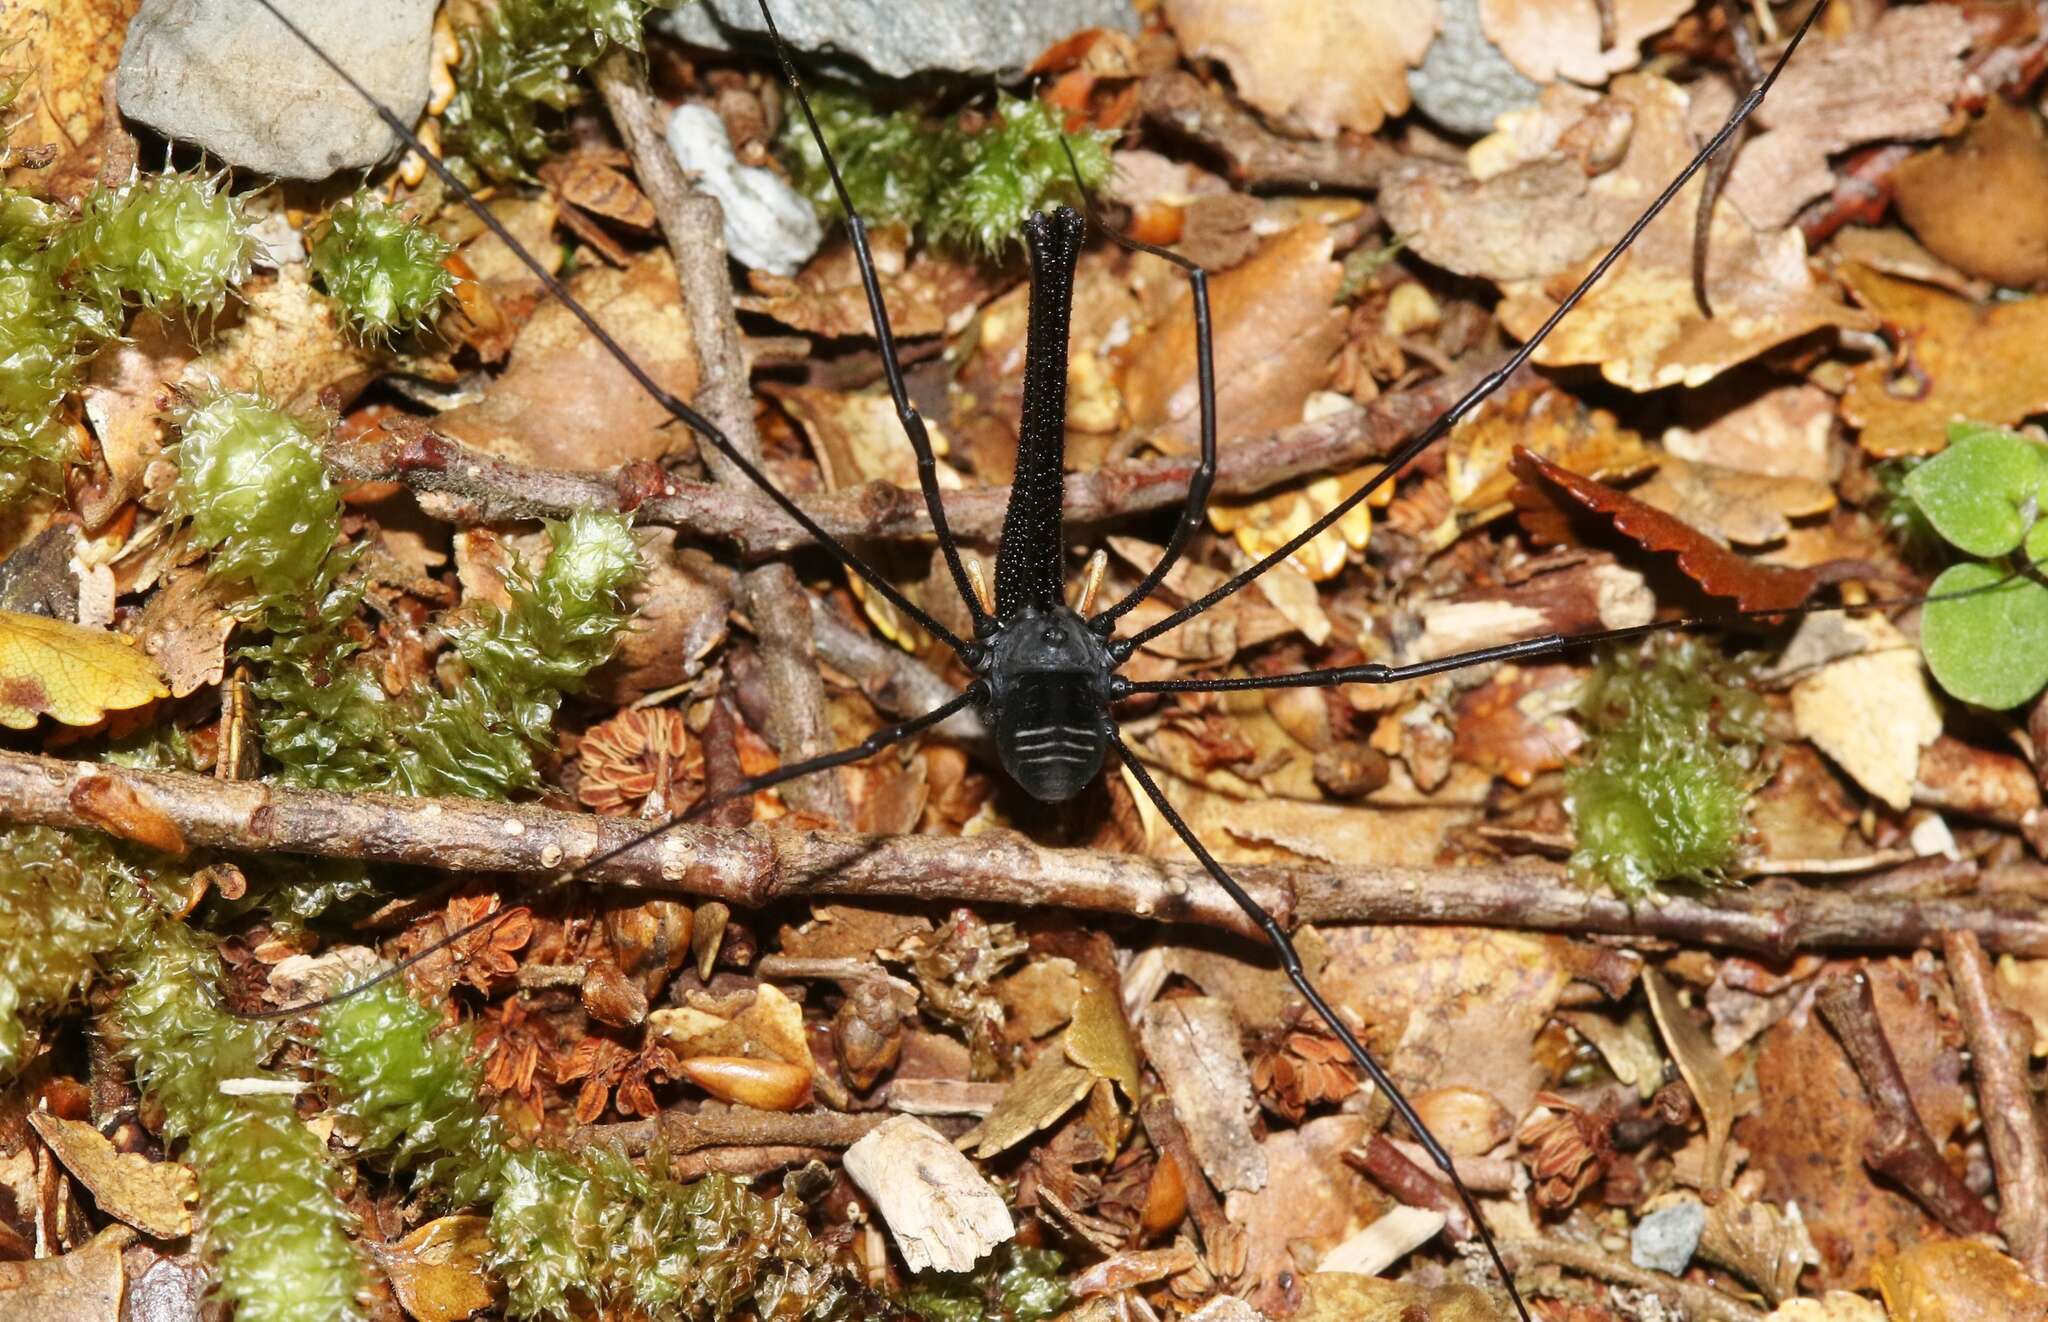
969,1110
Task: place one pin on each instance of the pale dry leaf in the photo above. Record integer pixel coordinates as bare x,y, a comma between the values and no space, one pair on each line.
940,1211
85,1284
72,674
2023,986
440,1272
858,438
1766,1246
1782,432
286,344
1894,81
1099,1038
1871,713
1552,39
153,1196
1703,1068
68,48
563,402
1629,1047
126,395
1313,66
1193,1043
1834,1306
184,628
1385,1242
1746,509
1342,1297
1521,224
1035,1100
1642,324
1313,1201
933,294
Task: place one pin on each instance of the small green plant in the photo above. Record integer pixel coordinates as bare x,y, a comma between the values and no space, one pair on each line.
1676,745
1984,629
384,270
254,491
967,191
1012,1284
519,72
55,920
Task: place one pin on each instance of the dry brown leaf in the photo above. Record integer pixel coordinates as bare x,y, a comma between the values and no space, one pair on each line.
1642,325
1834,1306
184,628
440,1272
1315,66
1872,713
1960,360
1765,1246
1958,1280
1350,1297
1313,1200
1552,39
1782,432
1277,328
1192,1041
1099,1038
769,1027
563,402
1035,1100
1263,526
587,181
1894,81
1478,457
1629,1047
72,674
286,344
931,294
85,1285
153,1196
1747,509
1704,1070
69,49
126,395
1521,224
940,1211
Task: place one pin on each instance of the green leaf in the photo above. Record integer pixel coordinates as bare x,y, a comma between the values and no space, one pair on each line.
1985,635
1978,493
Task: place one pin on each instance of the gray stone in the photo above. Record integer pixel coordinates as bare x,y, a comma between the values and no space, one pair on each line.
768,225
226,76
1666,1239
902,37
1464,82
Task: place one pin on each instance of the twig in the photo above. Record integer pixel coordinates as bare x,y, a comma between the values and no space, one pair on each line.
1185,105
694,225
463,485
746,1163
1399,1174
2006,1101
1900,1149
734,1127
751,866
1170,1140
1695,1301
893,680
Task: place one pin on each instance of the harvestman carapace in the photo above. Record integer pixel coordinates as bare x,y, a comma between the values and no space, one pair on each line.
1045,673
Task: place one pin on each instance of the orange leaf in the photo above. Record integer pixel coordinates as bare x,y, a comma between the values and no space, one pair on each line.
1718,570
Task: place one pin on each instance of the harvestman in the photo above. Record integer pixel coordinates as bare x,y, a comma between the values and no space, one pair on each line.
1045,673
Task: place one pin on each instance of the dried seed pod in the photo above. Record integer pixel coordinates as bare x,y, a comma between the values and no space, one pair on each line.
867,1032
1465,1120
611,997
1166,1199
651,941
766,1085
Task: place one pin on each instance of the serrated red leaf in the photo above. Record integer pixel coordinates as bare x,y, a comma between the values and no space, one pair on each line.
1719,571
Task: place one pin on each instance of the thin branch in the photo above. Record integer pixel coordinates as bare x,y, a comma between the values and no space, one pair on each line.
1693,1301
1999,1041
1900,1149
734,1127
754,865
694,225
463,485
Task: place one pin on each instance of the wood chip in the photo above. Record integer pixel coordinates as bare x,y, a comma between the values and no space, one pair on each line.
1193,1042
942,1214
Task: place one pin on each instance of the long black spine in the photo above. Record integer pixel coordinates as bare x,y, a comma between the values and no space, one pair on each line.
1028,561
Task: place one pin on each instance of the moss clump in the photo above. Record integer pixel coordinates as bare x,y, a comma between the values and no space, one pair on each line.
1677,745
254,490
271,1219
519,72
67,280
55,921
965,191
1012,1284
384,270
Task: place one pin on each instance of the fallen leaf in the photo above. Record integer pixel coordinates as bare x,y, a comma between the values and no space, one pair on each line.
1704,1070
1552,39
1729,505
942,1214
1192,1041
1834,1306
1313,1201
1871,713
1035,1099
85,1284
1524,223
69,673
1099,1038
930,294
124,809
1316,66
1519,723
1629,1047
1961,360
1762,1244
586,181
1782,432
286,344
563,402
1719,571
1479,457
153,1196
184,628
440,1272
1642,324
1958,1280
1132,1268
69,48
1894,80
125,398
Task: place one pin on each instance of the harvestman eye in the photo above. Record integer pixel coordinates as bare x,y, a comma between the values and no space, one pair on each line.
1049,702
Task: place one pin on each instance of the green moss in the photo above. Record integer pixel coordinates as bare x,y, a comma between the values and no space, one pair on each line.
1012,1284
270,1217
255,492
1676,746
161,241
519,72
383,269
55,921
965,191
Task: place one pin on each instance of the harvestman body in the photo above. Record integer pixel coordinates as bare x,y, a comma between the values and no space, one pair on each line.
1045,673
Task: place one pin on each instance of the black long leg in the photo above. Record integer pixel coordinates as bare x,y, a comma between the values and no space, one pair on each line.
892,371
1493,380
696,421
1197,504
866,748
1290,963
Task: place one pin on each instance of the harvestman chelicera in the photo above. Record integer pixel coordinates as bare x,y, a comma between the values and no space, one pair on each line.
1045,673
